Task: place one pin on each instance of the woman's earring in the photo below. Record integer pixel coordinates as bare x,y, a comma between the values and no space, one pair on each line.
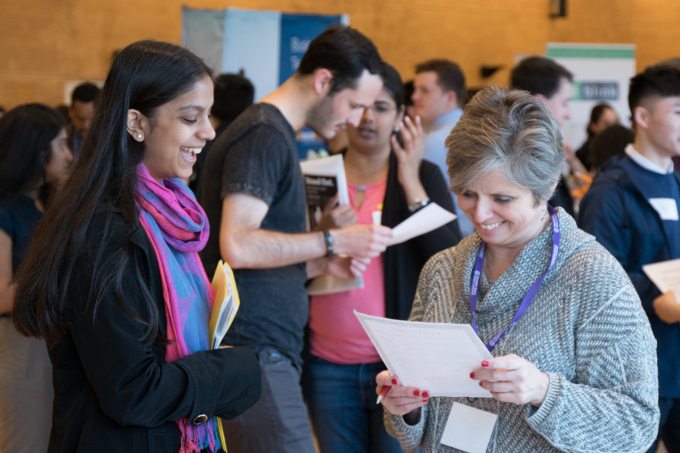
395,129
139,136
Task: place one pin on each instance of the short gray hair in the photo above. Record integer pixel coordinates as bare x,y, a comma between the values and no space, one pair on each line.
509,130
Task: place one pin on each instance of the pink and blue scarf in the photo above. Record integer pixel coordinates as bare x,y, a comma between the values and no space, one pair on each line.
178,229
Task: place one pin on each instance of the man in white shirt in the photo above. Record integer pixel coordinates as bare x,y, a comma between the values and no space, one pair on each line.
632,210
438,97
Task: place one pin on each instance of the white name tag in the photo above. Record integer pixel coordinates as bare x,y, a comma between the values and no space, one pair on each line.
468,429
666,207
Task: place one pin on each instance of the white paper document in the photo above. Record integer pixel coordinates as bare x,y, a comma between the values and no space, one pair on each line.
323,179
427,219
665,275
437,357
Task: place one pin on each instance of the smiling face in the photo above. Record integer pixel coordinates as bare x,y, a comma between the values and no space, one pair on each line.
335,111
60,161
377,123
505,215
178,131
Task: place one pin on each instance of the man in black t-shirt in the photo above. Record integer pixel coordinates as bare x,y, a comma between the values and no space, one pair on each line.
253,193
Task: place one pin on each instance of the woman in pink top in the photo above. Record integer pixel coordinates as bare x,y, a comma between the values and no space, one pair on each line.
382,175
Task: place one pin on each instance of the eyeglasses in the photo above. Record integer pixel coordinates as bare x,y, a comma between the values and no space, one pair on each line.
380,109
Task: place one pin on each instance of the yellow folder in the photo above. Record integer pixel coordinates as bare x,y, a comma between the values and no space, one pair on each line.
224,310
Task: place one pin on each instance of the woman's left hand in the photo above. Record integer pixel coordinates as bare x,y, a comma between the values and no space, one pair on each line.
410,155
512,379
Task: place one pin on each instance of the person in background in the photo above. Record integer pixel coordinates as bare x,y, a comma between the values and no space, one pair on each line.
80,113
601,117
254,194
33,153
112,279
408,100
63,110
438,97
575,371
673,62
233,94
609,143
632,209
382,175
551,83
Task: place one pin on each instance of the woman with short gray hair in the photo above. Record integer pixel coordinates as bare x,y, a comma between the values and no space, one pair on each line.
574,363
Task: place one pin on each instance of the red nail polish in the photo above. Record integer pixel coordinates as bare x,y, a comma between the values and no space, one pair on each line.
394,382
426,395
472,375
416,393
480,383
485,363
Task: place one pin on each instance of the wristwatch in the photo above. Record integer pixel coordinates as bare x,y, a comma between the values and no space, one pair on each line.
418,204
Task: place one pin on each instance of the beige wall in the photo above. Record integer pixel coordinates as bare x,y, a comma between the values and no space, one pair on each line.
45,43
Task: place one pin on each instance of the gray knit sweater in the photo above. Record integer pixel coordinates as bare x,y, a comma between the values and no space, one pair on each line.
585,328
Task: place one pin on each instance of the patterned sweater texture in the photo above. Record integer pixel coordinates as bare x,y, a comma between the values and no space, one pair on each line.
585,328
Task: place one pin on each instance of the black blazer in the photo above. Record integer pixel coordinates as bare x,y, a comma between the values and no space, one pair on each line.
112,393
403,262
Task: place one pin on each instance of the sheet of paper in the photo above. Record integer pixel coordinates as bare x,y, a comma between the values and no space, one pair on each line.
327,284
427,219
468,429
437,357
665,275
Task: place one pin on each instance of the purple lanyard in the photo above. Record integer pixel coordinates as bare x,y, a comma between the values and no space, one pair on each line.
474,286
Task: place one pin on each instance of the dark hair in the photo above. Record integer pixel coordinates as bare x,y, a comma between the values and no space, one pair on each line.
144,76
345,52
449,76
392,83
26,133
408,92
85,92
539,75
610,142
233,94
655,81
670,63
595,115
2,109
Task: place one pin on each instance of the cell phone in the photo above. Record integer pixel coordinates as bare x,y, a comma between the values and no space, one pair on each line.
400,140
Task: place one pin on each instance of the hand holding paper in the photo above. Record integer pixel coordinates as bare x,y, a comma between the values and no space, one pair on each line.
427,219
665,275
438,357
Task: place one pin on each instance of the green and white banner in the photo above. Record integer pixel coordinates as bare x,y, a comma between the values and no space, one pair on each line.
602,73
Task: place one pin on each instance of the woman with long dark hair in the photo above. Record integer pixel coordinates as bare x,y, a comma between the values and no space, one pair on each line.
113,281
33,157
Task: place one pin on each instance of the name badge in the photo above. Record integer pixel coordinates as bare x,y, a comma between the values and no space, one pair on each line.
468,429
666,207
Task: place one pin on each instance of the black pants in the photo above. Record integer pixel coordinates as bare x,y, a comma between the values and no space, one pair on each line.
278,421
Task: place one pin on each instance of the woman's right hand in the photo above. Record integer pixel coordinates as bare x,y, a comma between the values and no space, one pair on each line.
400,400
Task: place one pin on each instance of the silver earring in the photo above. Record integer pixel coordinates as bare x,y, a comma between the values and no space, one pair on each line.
395,129
139,136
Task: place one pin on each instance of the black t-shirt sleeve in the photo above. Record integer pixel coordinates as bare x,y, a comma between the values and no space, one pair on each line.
256,163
